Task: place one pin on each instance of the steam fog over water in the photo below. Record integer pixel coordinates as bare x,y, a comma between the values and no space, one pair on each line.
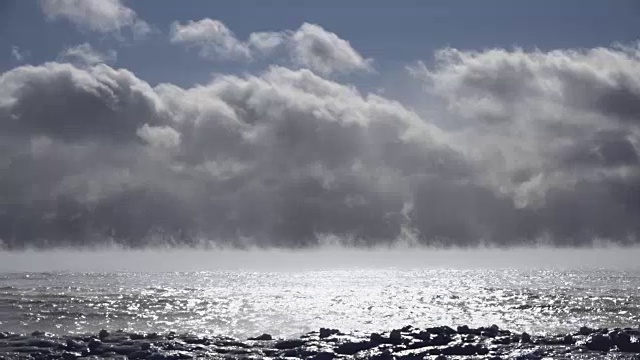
329,257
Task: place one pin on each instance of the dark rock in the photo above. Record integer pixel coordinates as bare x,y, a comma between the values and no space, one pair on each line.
481,350
38,333
376,338
351,348
44,343
395,335
418,344
407,328
293,353
469,338
386,355
271,352
624,342
31,349
159,356
585,331
422,335
440,340
231,343
462,350
598,342
325,333
620,338
632,347
464,329
184,355
307,352
263,337
139,355
410,357
75,345
441,330
488,334
94,344
195,340
407,343
124,349
289,344
568,340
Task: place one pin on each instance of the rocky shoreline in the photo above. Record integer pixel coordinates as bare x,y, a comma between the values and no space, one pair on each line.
408,343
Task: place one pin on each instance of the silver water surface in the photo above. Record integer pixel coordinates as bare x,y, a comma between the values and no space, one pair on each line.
285,303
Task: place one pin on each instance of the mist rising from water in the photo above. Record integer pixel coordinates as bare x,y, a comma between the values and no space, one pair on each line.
326,258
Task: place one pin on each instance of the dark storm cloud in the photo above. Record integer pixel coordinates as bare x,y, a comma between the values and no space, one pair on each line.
287,158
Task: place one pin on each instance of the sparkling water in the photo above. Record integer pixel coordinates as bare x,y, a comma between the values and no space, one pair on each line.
245,302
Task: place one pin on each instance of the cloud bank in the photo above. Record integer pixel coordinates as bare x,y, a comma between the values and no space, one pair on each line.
541,147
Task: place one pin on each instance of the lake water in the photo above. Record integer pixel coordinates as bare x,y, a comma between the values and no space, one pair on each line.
232,297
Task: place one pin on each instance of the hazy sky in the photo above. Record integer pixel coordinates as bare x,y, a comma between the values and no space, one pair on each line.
242,123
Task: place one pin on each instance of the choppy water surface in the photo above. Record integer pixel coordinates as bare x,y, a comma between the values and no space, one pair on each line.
243,303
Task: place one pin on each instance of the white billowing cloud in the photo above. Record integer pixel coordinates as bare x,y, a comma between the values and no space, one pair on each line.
211,37
551,127
545,145
265,42
159,136
325,52
313,47
103,16
310,46
86,54
277,157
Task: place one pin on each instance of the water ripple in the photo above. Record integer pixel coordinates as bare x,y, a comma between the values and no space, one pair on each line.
245,303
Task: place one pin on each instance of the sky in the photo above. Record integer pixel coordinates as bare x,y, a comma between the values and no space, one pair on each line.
297,124
392,34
